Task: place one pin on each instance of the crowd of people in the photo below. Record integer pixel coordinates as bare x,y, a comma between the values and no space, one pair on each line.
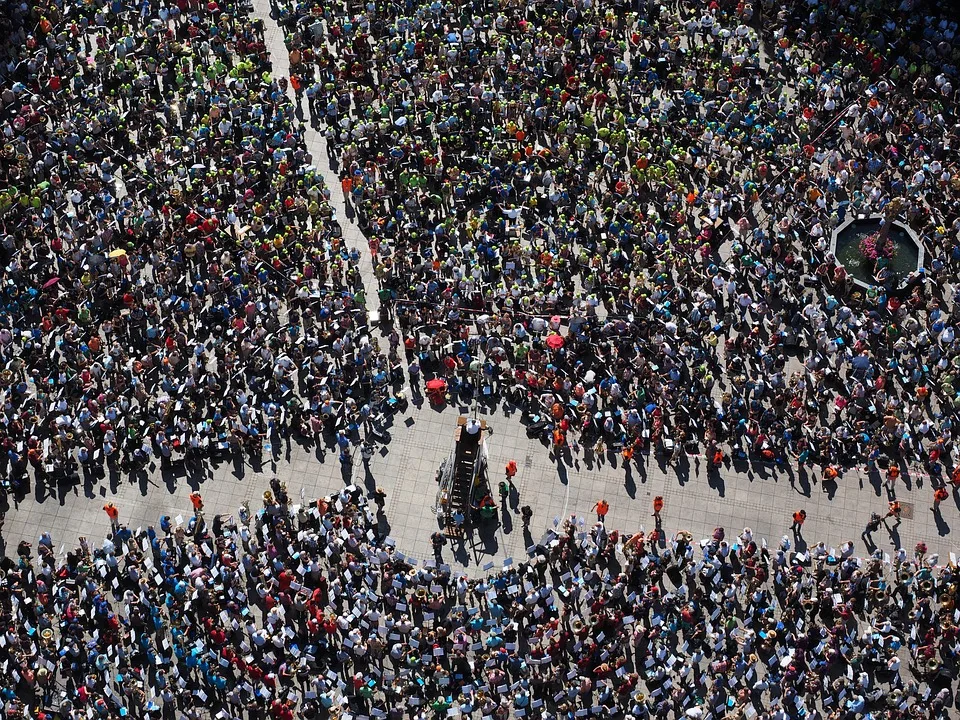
175,281
308,610
616,215
622,214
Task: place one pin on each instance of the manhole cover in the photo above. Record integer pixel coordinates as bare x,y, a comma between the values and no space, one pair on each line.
906,510
528,461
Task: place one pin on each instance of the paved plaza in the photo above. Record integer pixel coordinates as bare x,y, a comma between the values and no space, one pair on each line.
761,497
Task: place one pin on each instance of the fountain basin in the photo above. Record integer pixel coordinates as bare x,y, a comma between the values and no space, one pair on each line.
846,246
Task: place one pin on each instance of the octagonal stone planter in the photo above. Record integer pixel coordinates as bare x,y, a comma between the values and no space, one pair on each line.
845,244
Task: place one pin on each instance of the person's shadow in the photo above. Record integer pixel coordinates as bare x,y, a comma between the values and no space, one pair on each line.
527,537
876,482
894,534
682,470
629,484
942,527
369,482
803,481
905,477
715,481
506,520
460,553
588,458
798,542
830,487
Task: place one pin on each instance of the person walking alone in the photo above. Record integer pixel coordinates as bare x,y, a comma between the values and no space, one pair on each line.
113,513
799,517
602,507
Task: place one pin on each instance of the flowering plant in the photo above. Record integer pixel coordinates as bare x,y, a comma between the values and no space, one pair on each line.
872,249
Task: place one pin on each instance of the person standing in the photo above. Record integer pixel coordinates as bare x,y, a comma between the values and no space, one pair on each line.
939,495
799,517
380,498
657,507
602,507
894,512
113,513
872,526
893,472
196,499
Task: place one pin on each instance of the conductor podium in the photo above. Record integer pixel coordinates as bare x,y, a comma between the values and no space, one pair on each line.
463,476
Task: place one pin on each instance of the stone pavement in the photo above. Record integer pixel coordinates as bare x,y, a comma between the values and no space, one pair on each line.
760,497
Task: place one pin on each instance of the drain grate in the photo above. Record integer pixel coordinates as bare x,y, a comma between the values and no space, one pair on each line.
528,461
906,510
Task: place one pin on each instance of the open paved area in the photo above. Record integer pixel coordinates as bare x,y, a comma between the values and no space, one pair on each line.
762,498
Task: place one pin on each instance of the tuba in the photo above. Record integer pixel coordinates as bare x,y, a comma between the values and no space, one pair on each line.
948,598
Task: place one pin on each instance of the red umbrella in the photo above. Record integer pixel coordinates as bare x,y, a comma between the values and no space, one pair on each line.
52,281
554,342
436,385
